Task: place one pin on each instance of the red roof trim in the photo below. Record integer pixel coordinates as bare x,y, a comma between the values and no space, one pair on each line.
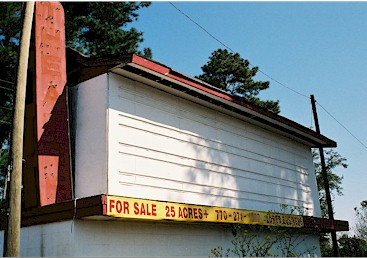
218,94
167,72
150,65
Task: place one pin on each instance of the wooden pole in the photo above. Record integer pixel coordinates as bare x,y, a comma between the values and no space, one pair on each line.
326,181
13,239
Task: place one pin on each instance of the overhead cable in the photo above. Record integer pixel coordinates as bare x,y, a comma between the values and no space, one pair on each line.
267,75
230,49
365,146
201,27
1,80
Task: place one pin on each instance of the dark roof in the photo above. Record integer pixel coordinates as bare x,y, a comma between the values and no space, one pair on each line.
81,68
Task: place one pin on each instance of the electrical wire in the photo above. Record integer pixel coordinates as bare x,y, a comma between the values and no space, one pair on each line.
201,27
230,49
1,80
5,88
365,146
285,86
267,75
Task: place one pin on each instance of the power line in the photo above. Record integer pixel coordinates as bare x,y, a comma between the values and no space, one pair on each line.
230,49
342,126
12,83
267,75
4,122
5,88
285,86
201,27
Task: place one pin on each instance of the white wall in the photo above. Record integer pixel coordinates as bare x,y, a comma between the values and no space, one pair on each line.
122,238
163,147
119,238
54,239
90,122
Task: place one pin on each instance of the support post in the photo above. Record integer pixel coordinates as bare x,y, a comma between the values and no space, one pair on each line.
13,238
326,181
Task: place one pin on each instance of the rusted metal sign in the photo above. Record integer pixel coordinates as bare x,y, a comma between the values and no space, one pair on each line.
54,173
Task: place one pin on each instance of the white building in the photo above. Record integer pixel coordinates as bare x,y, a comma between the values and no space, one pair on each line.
164,164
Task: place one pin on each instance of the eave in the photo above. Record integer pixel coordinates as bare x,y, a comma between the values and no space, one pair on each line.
157,75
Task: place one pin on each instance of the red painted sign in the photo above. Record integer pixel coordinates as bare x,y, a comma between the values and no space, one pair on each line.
54,173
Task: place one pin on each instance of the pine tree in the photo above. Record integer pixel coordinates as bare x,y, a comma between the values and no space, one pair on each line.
231,73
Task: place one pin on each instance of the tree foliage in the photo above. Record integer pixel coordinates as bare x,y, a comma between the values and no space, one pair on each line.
101,28
10,24
260,241
361,220
352,246
10,27
333,160
349,246
231,73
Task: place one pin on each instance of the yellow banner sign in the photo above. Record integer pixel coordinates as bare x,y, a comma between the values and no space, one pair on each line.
123,207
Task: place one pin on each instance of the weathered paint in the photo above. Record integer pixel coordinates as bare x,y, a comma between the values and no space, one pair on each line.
51,106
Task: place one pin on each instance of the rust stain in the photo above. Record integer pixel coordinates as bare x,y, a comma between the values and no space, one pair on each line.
54,173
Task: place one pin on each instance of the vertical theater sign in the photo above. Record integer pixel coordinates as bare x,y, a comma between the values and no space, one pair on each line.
128,157
47,174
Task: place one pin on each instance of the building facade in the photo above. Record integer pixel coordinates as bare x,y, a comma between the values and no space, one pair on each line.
164,165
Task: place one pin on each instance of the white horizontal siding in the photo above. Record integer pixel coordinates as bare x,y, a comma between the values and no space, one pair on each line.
164,147
90,128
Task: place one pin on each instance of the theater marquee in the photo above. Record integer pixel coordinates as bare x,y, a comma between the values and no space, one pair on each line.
122,207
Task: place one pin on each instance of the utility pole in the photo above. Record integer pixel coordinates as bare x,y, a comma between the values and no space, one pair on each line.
326,181
13,238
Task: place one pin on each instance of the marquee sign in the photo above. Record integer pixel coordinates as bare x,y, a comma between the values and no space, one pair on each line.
47,172
123,207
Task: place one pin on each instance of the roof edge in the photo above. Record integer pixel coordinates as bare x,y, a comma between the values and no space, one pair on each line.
81,68
209,89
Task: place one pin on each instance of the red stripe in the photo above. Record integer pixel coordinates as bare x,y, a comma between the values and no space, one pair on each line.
166,71
150,65
200,87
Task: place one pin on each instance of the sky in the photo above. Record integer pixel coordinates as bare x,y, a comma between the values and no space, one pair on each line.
302,48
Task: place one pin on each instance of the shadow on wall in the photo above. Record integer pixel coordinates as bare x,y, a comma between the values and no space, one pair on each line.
212,158
239,169
54,155
47,172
